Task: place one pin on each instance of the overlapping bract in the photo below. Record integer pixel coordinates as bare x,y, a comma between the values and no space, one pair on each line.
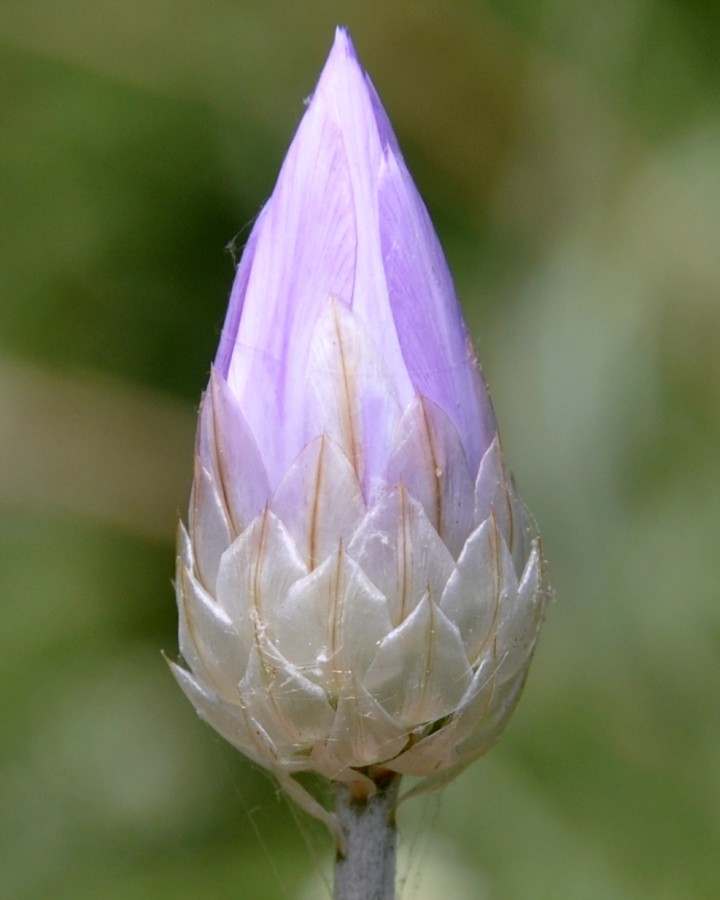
358,585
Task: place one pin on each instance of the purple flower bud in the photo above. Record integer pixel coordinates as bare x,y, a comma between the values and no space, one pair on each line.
358,586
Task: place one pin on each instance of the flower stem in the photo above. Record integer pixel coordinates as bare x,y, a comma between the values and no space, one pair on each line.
367,869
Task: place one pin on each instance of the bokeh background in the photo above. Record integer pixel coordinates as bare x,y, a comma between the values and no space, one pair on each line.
569,152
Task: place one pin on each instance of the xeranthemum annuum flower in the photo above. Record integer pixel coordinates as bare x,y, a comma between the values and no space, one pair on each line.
358,587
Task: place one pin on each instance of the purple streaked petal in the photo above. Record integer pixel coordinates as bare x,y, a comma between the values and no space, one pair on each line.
305,253
435,345
386,135
350,394
318,238
365,134
228,337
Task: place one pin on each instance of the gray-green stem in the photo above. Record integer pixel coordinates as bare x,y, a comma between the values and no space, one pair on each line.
367,870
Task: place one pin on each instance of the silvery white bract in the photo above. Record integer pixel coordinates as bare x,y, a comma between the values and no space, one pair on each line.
358,587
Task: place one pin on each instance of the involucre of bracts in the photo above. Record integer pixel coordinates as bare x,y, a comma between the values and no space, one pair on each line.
359,588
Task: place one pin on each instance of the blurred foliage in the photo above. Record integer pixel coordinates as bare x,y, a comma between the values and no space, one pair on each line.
569,154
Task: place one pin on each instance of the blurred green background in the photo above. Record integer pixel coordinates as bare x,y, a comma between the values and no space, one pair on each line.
569,152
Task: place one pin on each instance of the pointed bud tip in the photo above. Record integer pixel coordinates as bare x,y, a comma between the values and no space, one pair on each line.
341,60
343,44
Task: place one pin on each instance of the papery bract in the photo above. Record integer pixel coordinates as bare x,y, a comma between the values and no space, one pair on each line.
358,587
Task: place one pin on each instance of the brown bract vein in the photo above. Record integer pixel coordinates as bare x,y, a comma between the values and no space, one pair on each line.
220,457
430,652
404,556
315,512
268,667
435,469
495,539
192,628
336,615
348,401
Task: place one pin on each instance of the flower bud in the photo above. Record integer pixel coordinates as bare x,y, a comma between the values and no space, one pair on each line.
358,587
